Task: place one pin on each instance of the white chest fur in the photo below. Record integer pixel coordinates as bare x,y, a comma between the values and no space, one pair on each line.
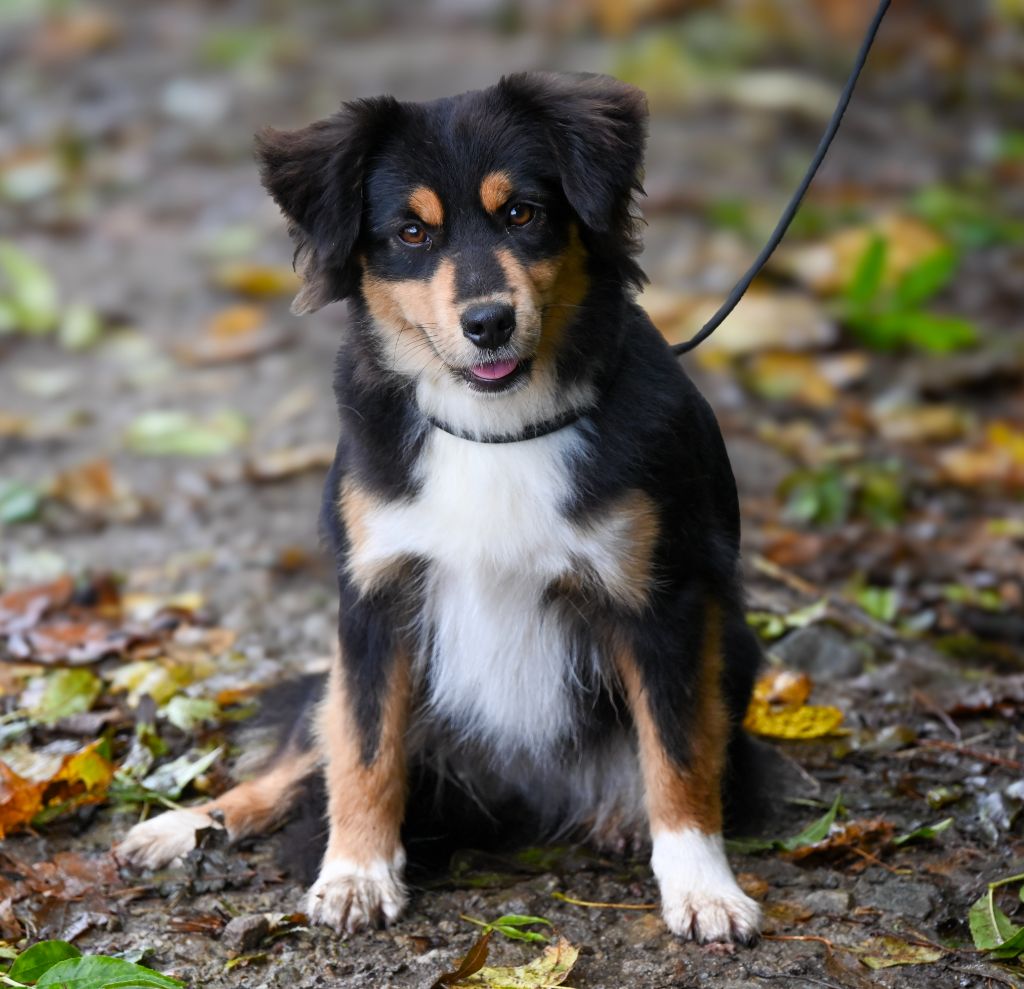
489,519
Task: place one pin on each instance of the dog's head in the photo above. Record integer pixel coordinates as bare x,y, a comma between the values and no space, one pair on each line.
474,228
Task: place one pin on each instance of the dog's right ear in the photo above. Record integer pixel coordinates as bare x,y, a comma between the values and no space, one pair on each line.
315,175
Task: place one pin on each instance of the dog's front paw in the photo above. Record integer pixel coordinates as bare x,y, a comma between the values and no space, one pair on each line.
351,897
699,895
160,840
720,915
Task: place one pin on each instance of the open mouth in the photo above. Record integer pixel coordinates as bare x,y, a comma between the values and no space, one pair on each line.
497,375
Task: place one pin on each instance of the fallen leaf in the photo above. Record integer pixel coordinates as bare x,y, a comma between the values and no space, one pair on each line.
825,266
171,432
991,929
888,952
93,489
472,962
276,465
20,610
19,502
20,800
790,722
66,692
761,321
551,969
257,281
997,459
812,834
784,687
925,833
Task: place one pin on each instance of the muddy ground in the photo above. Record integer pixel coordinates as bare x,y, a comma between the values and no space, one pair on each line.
143,115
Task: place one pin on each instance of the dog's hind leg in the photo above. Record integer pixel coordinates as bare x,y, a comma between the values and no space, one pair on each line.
249,808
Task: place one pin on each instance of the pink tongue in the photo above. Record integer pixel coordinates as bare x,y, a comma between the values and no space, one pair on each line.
500,369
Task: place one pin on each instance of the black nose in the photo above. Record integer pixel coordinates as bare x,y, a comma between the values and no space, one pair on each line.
489,325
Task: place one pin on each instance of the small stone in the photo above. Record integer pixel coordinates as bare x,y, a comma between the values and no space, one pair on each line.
904,899
244,934
820,651
834,902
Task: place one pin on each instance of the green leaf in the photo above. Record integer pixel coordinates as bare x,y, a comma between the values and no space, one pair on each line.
33,962
939,334
170,432
866,281
28,290
96,972
926,279
18,502
991,929
926,833
882,603
511,926
817,831
80,327
67,691
811,835
170,779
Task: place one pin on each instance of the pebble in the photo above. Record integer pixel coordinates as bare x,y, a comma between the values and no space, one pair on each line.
244,934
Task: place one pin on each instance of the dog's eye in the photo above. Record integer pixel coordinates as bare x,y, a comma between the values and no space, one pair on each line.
413,233
520,214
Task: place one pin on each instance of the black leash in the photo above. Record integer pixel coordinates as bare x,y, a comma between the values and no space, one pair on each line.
794,204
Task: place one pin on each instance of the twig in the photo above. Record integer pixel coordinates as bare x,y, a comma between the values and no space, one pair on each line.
604,906
787,976
829,946
848,613
874,860
991,976
995,760
919,697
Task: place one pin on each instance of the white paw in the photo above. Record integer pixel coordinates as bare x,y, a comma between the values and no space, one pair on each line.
699,895
351,897
160,840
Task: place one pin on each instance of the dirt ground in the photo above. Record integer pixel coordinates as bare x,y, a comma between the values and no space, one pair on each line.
895,583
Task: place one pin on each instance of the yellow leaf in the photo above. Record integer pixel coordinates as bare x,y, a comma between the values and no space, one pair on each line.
887,952
236,321
257,281
774,721
551,969
784,687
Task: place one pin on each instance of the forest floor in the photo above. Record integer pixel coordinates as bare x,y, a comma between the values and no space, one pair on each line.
165,426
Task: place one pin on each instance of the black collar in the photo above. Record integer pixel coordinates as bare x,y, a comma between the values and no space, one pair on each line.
531,432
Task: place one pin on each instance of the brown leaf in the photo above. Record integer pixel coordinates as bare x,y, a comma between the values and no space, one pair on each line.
257,281
474,960
21,610
277,465
20,800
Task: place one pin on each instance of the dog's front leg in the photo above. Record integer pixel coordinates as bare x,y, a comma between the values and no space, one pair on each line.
672,676
362,725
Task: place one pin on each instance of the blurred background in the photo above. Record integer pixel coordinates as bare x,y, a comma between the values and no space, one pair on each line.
161,411
165,424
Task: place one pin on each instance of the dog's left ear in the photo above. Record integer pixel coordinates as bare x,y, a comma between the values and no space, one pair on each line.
315,175
597,128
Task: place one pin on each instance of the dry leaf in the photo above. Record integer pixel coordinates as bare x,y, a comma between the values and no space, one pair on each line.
887,952
773,721
257,281
276,465
551,969
20,610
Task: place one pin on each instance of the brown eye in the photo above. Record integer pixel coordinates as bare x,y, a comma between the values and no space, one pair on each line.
520,214
413,233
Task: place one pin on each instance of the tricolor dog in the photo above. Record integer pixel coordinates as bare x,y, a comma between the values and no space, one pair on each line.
531,510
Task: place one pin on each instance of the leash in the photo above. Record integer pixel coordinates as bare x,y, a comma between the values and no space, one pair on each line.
739,290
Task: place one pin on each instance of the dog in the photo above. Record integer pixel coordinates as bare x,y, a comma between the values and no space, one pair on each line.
531,510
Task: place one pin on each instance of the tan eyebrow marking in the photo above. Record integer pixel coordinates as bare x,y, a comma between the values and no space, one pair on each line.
426,204
495,190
